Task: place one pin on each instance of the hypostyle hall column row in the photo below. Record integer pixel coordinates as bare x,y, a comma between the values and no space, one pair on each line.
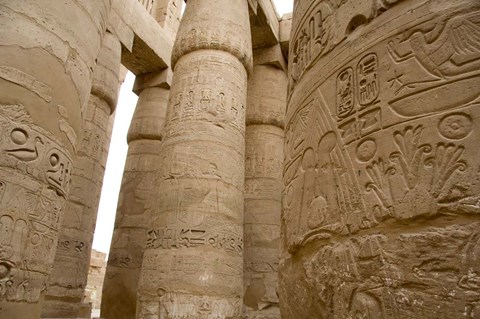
266,104
192,265
47,49
137,194
137,197
65,290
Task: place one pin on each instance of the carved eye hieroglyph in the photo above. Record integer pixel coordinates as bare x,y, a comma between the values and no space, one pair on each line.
19,136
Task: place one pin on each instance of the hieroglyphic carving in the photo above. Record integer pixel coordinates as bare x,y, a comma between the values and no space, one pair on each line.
67,246
401,109
366,150
315,154
320,29
193,105
455,126
448,51
31,211
167,238
412,162
367,79
363,278
202,306
314,38
215,101
261,163
199,186
345,93
30,149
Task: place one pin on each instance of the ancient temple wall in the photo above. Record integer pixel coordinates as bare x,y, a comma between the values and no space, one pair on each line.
381,177
47,49
67,281
192,265
264,143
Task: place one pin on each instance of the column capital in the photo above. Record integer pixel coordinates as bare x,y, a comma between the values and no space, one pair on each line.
105,79
227,31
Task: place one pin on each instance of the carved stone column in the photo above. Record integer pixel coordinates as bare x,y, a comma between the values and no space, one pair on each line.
193,261
68,278
137,197
137,193
266,104
382,180
47,50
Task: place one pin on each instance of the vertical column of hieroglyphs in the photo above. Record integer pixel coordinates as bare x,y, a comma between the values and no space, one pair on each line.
137,196
382,178
192,265
266,104
68,278
47,50
137,193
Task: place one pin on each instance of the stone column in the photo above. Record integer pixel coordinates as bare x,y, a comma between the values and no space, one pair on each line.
382,179
47,51
68,278
137,193
266,104
137,197
193,261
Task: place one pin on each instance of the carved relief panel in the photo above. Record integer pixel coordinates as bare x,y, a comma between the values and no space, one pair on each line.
381,139
35,180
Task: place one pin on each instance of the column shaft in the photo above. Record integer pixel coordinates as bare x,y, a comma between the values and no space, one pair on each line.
136,201
67,281
137,193
193,261
47,49
267,89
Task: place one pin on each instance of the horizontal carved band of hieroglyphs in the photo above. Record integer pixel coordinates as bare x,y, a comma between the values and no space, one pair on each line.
193,105
167,238
68,245
28,148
